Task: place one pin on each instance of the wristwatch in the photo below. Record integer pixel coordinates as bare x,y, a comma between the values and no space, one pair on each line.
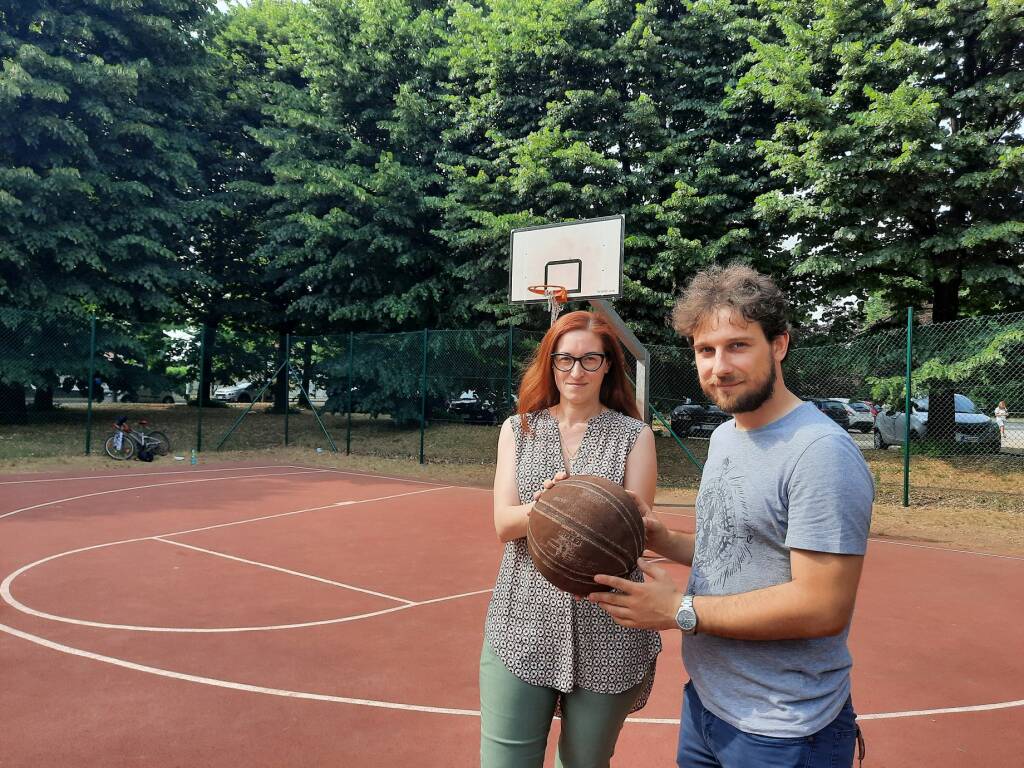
686,617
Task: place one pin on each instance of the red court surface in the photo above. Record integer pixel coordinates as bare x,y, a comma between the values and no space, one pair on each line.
289,616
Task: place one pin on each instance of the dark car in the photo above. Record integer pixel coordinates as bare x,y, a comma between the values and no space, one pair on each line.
691,417
834,409
470,407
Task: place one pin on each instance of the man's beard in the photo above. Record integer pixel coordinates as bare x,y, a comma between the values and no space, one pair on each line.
747,401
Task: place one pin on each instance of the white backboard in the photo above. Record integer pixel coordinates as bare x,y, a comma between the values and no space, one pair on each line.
584,257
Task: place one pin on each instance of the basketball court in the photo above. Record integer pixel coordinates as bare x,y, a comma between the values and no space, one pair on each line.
272,615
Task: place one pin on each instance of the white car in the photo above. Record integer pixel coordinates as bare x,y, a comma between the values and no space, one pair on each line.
239,392
970,426
860,416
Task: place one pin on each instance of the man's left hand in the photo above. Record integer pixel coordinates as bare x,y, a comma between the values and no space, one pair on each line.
651,604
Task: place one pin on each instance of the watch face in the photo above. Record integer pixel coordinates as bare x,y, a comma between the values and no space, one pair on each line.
686,617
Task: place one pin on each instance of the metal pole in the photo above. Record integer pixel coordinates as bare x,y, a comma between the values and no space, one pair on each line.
423,396
287,371
511,346
689,454
323,427
92,375
252,403
348,428
639,351
906,408
201,394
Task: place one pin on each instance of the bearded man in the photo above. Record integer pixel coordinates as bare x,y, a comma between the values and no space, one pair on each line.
783,514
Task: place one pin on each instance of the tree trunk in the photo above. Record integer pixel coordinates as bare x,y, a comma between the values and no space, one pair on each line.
281,382
941,410
946,299
210,342
12,404
43,401
307,367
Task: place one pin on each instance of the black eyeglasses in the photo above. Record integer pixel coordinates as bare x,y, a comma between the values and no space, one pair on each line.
591,361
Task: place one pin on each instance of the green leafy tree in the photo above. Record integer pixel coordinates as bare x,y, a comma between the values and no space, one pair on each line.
98,147
258,65
900,146
903,152
352,159
571,109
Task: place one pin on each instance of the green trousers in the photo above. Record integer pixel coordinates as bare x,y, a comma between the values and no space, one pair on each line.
515,718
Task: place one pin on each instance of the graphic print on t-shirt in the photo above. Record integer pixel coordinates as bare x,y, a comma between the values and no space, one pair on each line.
724,532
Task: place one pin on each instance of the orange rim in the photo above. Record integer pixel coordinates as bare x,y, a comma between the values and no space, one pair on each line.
560,295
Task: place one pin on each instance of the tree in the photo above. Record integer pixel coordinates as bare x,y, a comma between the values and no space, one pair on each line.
98,146
903,151
566,110
900,146
352,159
258,65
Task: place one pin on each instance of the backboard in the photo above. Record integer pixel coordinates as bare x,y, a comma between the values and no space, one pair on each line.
584,257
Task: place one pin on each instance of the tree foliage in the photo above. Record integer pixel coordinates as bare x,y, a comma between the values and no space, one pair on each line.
900,146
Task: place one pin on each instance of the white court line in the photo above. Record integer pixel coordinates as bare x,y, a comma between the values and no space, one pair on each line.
365,474
153,485
374,703
147,474
411,707
8,597
232,685
284,570
387,477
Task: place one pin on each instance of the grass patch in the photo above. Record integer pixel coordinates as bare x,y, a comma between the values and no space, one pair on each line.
963,502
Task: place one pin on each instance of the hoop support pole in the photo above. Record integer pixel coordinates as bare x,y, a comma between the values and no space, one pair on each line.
638,350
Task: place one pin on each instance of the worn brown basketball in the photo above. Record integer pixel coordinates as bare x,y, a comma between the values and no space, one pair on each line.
581,527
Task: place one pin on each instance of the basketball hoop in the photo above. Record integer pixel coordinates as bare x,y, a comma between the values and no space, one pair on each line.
556,295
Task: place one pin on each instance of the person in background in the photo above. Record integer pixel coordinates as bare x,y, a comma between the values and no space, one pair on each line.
1001,413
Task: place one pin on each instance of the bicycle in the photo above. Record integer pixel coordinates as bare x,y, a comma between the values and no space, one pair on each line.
125,442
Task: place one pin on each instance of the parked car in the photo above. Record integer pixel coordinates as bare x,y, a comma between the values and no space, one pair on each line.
146,395
691,417
469,406
239,392
860,415
971,426
834,409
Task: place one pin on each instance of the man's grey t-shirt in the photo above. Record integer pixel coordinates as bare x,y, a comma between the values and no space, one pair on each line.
797,483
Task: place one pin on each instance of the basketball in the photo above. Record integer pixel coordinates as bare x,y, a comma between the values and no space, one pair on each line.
581,527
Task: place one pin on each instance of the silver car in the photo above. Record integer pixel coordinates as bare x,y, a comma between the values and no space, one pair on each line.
972,427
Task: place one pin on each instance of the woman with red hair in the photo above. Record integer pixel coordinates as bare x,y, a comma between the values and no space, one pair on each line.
544,651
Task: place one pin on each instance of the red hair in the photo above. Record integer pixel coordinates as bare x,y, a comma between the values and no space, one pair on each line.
538,390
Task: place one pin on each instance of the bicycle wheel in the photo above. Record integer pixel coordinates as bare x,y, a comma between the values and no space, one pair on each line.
164,446
122,450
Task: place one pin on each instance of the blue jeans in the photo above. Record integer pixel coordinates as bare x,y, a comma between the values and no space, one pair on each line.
706,741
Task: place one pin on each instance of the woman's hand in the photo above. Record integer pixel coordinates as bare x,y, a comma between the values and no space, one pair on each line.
559,477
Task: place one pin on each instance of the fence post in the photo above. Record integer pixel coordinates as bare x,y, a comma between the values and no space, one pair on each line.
906,408
92,376
348,399
423,395
287,382
511,345
201,393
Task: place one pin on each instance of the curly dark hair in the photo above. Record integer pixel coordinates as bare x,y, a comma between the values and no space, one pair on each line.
754,296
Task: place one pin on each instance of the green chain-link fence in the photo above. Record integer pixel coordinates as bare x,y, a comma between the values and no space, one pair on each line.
439,395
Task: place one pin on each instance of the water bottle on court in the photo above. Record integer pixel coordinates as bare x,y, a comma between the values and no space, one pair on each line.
195,457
